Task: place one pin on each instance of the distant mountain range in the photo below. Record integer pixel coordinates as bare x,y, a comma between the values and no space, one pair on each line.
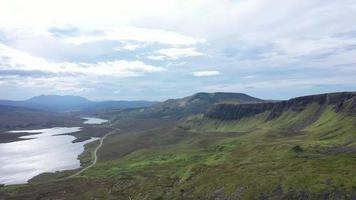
72,103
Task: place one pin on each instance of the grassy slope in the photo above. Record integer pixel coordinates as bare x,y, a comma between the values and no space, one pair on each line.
205,158
325,160
244,158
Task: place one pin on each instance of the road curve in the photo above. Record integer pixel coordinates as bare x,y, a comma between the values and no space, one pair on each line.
95,155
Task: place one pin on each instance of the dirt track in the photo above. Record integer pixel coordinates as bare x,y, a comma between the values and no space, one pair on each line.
95,155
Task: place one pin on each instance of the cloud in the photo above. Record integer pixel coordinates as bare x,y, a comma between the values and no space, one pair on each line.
120,68
135,34
22,73
12,59
131,47
156,57
205,73
284,84
272,40
64,31
174,53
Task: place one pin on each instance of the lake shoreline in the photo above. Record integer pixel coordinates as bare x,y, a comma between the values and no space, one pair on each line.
8,137
85,136
87,131
85,157
13,137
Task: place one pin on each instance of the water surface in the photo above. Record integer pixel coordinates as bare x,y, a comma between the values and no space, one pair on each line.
93,120
45,152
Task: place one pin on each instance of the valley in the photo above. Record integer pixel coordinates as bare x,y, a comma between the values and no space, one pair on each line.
214,146
177,100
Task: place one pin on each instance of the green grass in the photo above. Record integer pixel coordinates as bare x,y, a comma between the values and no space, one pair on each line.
254,152
239,159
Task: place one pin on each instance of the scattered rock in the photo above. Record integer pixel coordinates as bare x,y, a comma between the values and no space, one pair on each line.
297,149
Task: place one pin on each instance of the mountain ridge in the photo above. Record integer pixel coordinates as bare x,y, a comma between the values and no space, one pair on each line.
72,103
228,111
189,105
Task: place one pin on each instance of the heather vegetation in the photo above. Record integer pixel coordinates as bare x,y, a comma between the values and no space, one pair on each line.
298,149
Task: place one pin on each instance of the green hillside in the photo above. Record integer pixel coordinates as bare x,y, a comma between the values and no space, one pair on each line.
304,148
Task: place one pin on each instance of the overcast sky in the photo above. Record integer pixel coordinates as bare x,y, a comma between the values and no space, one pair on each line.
159,49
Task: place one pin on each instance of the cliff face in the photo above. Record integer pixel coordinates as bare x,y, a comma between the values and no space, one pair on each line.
342,102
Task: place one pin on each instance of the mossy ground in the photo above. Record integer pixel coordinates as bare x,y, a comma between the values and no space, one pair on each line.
255,154
246,159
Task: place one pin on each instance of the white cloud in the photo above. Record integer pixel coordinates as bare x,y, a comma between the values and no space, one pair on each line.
135,34
12,59
155,57
174,53
285,84
120,68
127,46
275,38
312,47
131,47
205,73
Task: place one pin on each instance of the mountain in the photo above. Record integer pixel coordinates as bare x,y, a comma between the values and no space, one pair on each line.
58,103
72,103
190,105
58,100
200,102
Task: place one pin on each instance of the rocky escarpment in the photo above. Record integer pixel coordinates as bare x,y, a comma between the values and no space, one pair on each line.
342,102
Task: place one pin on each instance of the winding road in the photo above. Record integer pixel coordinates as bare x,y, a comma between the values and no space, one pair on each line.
95,154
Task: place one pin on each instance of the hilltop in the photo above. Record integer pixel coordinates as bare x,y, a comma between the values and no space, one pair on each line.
191,105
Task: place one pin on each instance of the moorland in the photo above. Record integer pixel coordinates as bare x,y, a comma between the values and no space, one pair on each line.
209,146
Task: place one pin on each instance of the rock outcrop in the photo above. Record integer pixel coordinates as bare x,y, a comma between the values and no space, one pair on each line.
342,102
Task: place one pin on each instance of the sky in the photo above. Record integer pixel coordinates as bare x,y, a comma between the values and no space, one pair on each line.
161,49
